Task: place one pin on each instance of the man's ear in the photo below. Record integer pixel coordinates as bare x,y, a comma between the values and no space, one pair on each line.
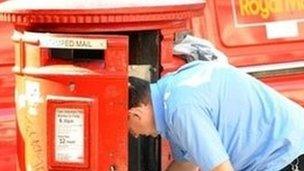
137,116
135,112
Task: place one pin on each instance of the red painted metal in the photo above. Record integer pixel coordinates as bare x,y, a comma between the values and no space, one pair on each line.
7,140
6,63
291,85
245,44
99,16
168,19
8,153
107,89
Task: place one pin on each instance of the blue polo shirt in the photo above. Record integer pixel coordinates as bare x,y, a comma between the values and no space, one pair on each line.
213,112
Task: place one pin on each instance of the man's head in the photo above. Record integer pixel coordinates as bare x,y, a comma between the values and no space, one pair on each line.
141,115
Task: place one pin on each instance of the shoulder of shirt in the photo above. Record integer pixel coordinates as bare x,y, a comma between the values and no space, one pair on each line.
197,64
179,112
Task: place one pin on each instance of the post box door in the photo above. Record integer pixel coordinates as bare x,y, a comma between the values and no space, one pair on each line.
75,90
105,116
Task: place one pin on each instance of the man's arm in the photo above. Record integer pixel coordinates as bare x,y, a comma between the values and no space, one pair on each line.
182,166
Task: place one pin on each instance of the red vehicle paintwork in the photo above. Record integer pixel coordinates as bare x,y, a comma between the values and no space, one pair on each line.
246,45
291,85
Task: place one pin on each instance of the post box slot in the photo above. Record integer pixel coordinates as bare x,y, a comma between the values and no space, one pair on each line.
77,54
93,59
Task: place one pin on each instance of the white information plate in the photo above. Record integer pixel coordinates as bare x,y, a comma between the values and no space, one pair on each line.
282,29
69,135
72,43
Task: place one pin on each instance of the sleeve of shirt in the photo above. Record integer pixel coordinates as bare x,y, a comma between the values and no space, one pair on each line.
197,134
177,152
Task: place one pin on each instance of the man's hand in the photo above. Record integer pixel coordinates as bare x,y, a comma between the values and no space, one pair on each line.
182,166
225,166
187,166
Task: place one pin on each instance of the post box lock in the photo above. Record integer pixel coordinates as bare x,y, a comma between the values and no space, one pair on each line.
72,86
113,168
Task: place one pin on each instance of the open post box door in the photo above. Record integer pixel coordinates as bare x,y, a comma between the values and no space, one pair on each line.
71,101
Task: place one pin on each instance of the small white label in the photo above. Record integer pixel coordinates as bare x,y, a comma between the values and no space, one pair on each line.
32,91
72,43
32,96
69,135
282,29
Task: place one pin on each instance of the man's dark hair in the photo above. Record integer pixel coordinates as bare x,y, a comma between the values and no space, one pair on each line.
139,92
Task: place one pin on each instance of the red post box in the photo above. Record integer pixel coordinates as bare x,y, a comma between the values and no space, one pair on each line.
72,63
70,97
